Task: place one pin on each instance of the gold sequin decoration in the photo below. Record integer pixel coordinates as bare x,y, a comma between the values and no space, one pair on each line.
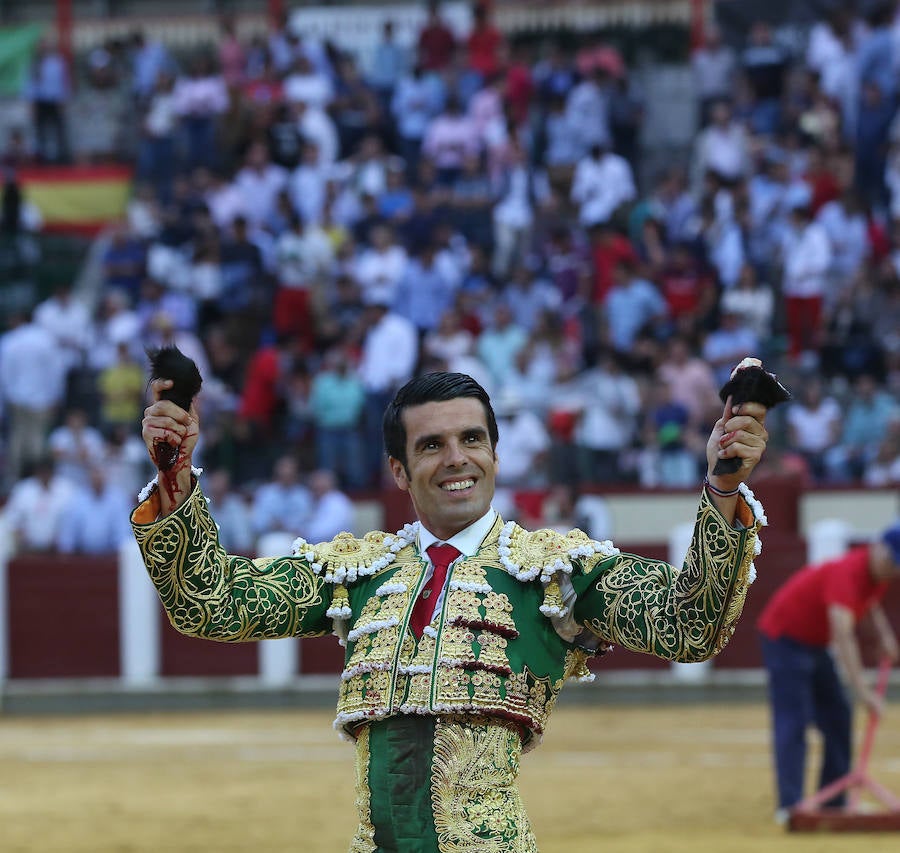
475,799
364,840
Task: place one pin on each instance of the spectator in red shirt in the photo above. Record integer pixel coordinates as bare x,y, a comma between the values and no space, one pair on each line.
436,41
608,250
687,288
485,42
818,606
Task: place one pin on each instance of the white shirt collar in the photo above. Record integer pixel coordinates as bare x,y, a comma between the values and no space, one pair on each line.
467,541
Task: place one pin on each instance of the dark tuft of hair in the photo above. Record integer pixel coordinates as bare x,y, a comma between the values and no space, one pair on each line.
437,387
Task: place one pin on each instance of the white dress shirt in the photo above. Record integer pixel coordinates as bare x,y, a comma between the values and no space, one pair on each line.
389,354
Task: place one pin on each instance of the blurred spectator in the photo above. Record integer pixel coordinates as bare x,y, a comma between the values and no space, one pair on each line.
690,381
95,519
607,423
199,99
688,289
807,260
866,422
389,354
331,511
672,443
307,85
418,98
587,109
500,343
485,43
67,318
283,503
520,192
529,297
100,110
380,269
123,263
884,468
448,341
450,138
47,88
232,510
76,447
125,460
337,400
36,507
752,301
633,305
764,64
602,183
149,60
523,446
389,62
845,223
33,384
122,386
260,182
728,344
232,57
424,293
714,66
721,148
436,41
814,424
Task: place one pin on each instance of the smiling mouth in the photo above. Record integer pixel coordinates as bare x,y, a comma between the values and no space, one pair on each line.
458,486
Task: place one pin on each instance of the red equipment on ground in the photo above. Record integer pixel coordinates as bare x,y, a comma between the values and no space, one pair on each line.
811,816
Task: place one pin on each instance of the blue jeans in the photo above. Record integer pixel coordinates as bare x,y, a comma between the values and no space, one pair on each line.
804,689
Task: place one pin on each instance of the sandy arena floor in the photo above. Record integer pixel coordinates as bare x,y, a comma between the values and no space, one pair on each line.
628,780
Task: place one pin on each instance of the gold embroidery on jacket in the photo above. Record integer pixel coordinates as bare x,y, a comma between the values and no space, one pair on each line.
364,840
476,803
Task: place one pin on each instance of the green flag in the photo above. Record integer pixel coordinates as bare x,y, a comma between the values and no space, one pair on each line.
16,51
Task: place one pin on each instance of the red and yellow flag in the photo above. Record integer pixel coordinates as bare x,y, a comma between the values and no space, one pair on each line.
77,199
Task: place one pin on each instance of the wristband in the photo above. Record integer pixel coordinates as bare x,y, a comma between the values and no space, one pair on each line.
719,492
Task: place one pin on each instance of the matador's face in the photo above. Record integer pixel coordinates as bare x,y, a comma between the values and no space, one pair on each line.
451,466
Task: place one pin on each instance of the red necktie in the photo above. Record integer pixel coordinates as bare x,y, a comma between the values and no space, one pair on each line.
441,557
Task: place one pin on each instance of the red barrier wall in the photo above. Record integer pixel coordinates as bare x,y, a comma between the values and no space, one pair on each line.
63,617
182,655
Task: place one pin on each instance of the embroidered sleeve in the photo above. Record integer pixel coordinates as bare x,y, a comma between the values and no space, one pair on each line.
208,593
686,614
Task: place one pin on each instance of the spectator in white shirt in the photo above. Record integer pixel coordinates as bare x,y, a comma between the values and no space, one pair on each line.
76,447
587,110
95,520
602,183
35,508
848,232
259,183
814,424
69,321
33,385
283,503
316,126
305,84
380,269
232,511
722,147
807,259
389,355
308,183
417,99
332,512
524,444
200,99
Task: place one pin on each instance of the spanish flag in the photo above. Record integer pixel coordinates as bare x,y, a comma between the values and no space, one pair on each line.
77,199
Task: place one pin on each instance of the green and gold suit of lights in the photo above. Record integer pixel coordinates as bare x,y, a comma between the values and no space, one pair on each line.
440,722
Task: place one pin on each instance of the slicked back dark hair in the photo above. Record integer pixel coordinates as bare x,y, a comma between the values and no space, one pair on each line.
431,388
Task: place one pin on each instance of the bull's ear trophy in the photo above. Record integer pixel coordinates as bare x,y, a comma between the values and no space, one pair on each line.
750,383
172,363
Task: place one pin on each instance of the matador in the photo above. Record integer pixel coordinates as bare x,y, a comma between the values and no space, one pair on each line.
451,671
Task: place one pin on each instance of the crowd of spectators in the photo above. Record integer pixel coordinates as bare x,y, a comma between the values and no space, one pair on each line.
313,230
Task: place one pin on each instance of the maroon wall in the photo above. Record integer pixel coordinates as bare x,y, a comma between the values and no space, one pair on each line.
182,655
63,617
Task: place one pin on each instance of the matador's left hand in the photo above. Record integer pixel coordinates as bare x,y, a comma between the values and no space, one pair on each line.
739,433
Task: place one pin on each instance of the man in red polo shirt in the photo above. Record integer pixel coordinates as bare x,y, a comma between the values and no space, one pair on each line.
818,608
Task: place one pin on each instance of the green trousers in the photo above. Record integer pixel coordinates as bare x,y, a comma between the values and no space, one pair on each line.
439,785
